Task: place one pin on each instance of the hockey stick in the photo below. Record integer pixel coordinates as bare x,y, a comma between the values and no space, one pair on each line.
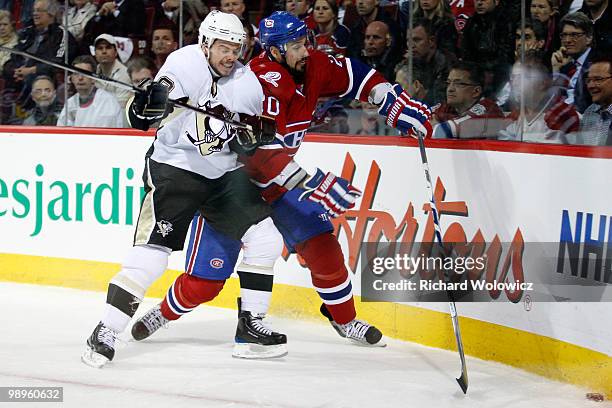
122,85
463,379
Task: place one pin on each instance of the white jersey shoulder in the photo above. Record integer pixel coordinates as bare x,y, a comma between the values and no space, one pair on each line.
193,141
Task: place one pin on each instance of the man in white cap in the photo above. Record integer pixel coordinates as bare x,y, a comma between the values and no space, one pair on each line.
105,51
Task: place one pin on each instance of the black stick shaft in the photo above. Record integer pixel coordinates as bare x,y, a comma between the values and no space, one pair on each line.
121,85
463,379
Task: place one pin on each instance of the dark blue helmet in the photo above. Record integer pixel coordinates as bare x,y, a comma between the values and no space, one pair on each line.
279,29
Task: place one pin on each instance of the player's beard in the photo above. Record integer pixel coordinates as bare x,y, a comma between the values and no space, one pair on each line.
298,76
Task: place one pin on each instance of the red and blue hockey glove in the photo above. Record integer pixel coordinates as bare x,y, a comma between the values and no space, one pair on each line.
404,113
335,194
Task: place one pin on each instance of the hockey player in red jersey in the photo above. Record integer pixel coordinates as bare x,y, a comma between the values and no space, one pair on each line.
294,77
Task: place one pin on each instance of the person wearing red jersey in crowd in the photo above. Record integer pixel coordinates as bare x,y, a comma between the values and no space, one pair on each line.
547,117
466,113
302,10
331,36
293,78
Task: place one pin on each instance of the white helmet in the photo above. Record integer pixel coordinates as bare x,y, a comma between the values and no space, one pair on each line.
221,26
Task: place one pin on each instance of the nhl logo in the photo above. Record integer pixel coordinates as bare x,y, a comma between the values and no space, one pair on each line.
269,23
216,263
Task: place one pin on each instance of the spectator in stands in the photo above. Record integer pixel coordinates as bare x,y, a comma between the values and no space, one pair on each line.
547,13
439,14
163,42
331,36
534,35
140,68
370,124
596,123
600,13
415,82
422,47
547,118
45,39
90,106
302,10
487,39
110,66
236,7
47,108
534,41
377,49
194,11
252,47
467,113
77,17
368,11
123,18
8,36
571,61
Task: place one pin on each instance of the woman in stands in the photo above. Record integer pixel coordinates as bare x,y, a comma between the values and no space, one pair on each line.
331,36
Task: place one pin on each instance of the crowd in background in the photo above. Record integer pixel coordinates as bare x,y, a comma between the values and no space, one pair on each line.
487,68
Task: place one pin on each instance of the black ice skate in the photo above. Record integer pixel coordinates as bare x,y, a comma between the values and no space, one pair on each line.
357,331
255,340
100,346
149,323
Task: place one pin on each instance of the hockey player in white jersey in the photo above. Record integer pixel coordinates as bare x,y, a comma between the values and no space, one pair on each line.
190,167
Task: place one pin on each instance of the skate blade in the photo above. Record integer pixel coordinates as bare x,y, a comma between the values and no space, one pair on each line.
93,359
257,351
380,343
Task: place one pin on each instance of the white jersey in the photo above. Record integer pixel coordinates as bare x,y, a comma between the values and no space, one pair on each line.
187,74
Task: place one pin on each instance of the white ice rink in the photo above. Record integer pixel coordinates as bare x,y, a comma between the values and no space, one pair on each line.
43,332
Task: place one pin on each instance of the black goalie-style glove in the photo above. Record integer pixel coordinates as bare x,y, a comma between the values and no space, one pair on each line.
263,131
151,103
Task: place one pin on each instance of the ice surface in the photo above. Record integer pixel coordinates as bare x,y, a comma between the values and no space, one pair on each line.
43,332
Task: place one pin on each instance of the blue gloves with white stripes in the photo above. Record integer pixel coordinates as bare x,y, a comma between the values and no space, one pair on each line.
404,113
335,194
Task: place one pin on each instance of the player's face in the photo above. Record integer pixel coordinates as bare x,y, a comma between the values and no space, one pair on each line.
296,55
323,14
223,56
43,93
83,84
105,52
232,6
541,10
460,91
163,42
138,76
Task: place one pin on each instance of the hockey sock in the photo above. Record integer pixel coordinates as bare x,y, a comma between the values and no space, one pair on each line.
186,293
142,266
262,245
330,277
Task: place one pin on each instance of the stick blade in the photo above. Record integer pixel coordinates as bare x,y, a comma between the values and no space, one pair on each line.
463,382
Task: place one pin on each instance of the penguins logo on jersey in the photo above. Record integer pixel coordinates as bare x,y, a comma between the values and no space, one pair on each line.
212,133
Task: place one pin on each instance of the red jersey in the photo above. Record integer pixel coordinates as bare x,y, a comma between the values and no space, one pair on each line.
292,105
